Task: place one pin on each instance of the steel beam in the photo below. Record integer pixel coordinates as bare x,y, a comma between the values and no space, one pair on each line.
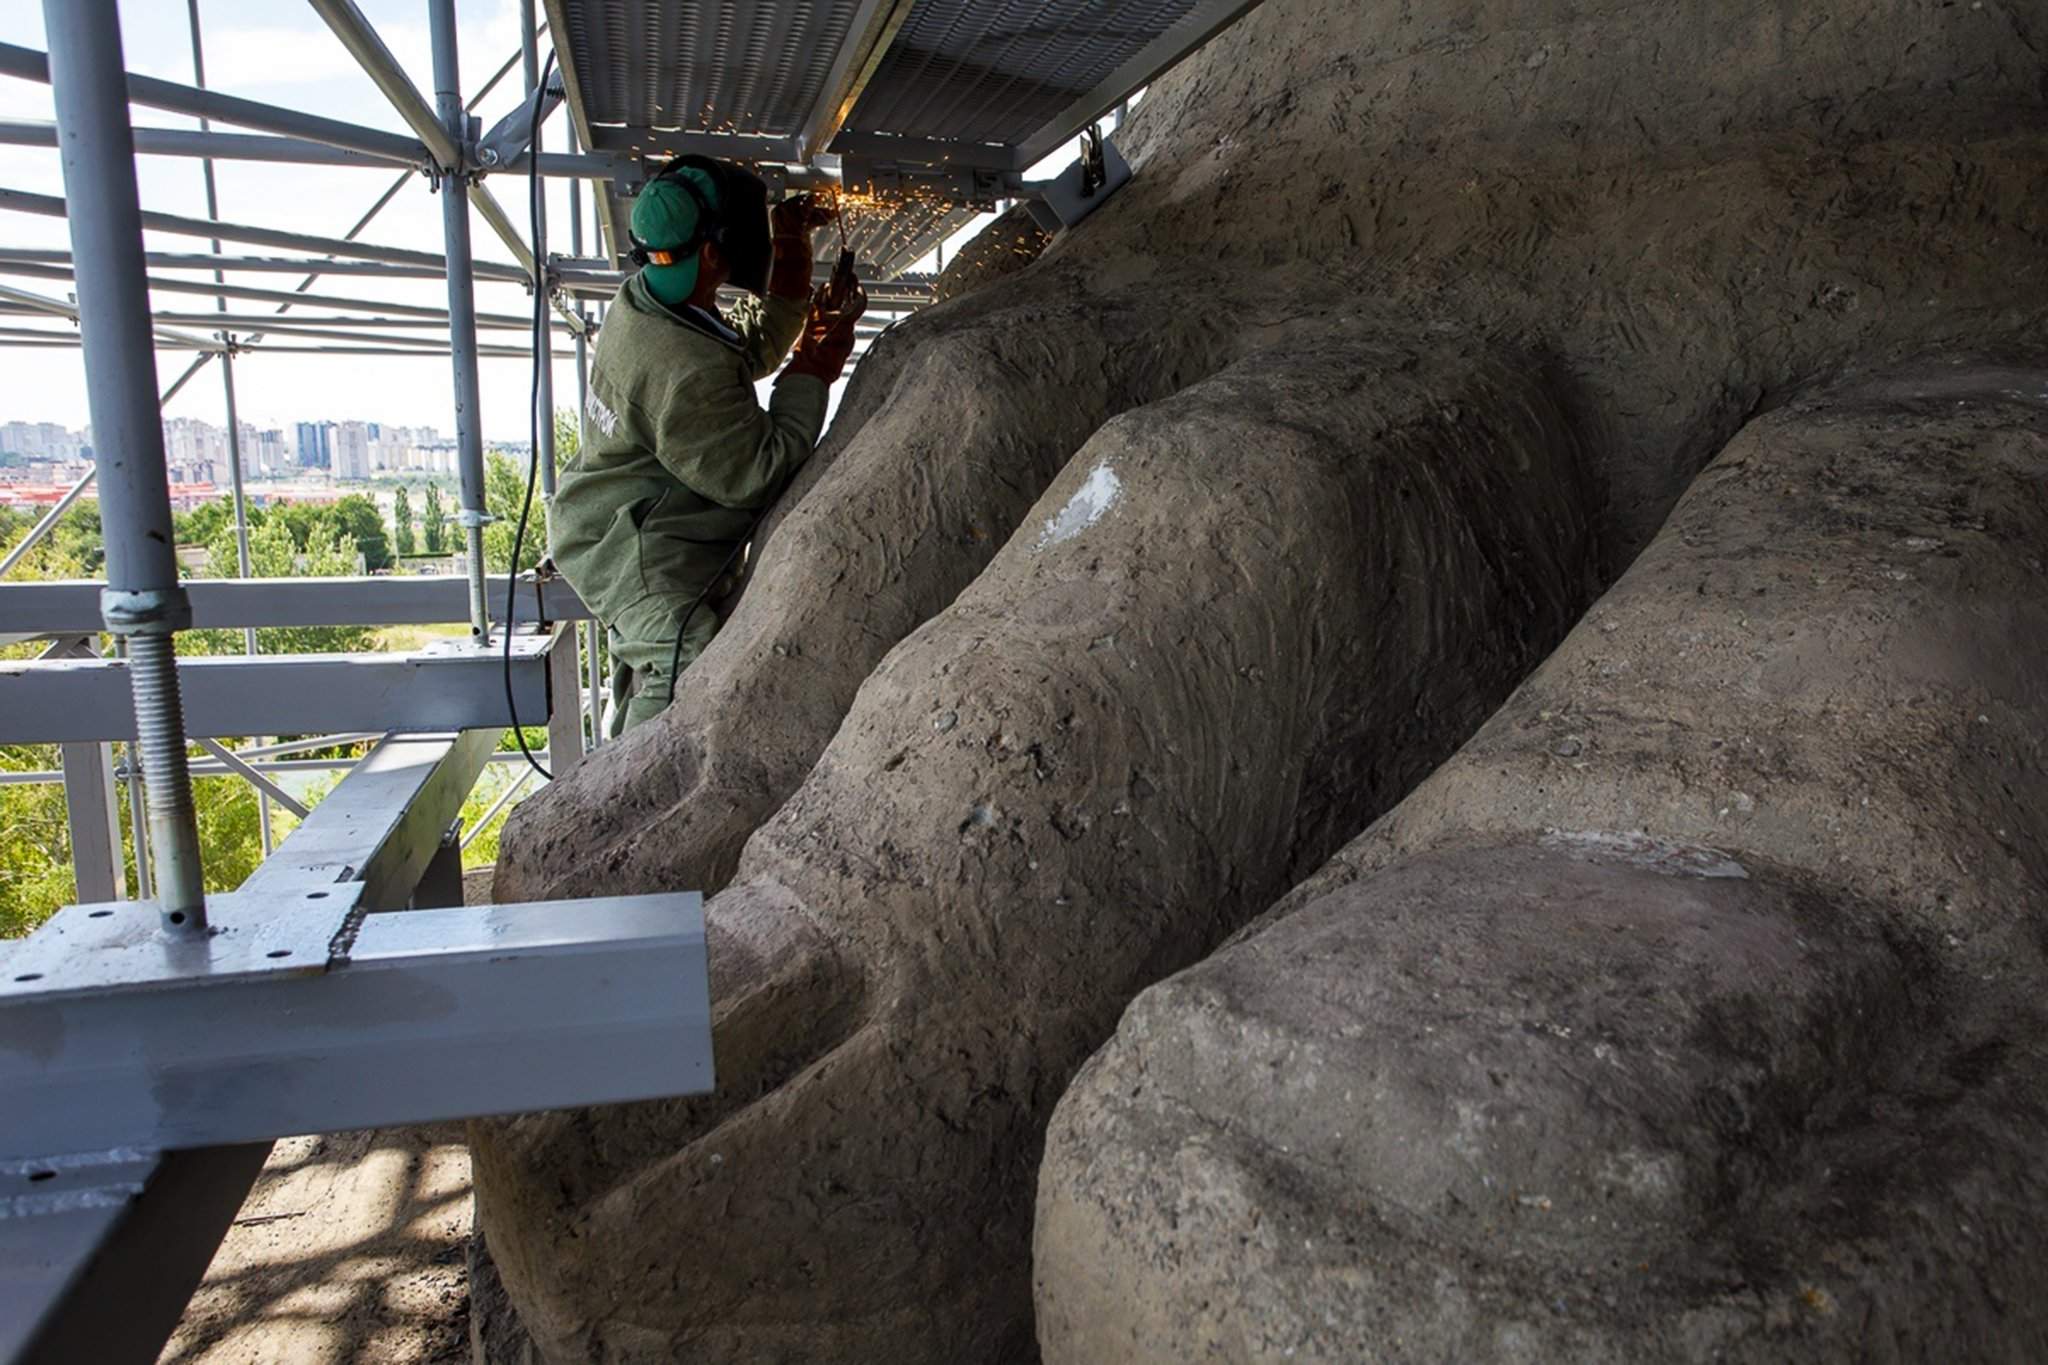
660,143
368,842
71,607
232,761
92,813
43,304
872,29
144,601
28,64
565,704
103,1250
424,1016
925,151
453,685
271,265
272,322
534,132
368,49
49,206
165,284
226,146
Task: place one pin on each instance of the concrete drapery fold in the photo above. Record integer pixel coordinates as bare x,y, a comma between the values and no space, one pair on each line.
1690,1012
1659,251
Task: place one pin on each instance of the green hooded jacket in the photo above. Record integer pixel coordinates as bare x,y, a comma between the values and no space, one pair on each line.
678,456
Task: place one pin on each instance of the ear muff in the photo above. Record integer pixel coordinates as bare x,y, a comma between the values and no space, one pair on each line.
735,217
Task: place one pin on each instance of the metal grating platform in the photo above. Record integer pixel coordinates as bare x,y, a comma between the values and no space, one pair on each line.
744,67
997,70
970,93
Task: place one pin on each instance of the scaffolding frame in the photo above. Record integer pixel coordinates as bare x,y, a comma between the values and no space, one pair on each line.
130,1142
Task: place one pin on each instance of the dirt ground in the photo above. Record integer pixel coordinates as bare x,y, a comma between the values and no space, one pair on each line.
350,1248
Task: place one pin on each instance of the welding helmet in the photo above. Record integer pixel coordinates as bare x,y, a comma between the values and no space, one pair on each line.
719,202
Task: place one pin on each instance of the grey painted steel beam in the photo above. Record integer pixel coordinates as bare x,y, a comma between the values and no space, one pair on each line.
227,146
71,607
368,49
28,64
1146,65
873,27
102,1251
49,206
925,151
92,814
369,841
450,686
44,305
659,143
425,1016
229,759
133,1230
439,131
209,288
274,265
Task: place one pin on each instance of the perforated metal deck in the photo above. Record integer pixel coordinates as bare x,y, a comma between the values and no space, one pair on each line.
943,85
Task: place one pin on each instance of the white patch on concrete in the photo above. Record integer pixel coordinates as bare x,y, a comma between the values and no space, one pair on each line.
1097,494
1640,850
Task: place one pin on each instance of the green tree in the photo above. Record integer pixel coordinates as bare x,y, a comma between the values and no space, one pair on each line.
198,526
357,517
402,539
434,521
568,436
71,550
308,523
504,493
35,853
274,554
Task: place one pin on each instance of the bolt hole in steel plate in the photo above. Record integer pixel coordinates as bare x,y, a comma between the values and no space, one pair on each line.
42,1175
99,914
316,895
279,952
30,976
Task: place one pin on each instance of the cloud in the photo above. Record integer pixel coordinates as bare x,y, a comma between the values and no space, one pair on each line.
263,57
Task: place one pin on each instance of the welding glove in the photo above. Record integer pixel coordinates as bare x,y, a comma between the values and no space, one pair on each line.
827,338
792,221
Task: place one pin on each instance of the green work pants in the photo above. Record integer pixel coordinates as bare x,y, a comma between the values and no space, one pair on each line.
645,659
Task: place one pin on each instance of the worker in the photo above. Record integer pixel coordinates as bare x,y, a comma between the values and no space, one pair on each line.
679,458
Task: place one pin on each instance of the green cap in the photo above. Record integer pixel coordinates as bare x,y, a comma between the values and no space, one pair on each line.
665,217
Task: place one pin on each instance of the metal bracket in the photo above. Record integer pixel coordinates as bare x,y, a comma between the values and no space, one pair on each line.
965,187
157,611
510,136
1082,188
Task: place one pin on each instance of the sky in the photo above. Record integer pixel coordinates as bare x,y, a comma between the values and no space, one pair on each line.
282,53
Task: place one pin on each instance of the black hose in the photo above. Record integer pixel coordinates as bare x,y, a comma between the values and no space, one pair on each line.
540,350
675,658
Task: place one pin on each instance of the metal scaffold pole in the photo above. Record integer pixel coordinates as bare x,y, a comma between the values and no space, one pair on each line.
545,375
593,633
469,441
143,600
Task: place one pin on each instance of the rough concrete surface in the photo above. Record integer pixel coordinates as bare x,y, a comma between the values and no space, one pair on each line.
1598,237
1691,1012
1106,754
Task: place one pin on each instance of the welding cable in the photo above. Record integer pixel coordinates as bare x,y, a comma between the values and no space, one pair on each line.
540,351
675,658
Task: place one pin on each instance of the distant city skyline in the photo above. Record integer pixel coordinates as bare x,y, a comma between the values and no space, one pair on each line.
36,456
